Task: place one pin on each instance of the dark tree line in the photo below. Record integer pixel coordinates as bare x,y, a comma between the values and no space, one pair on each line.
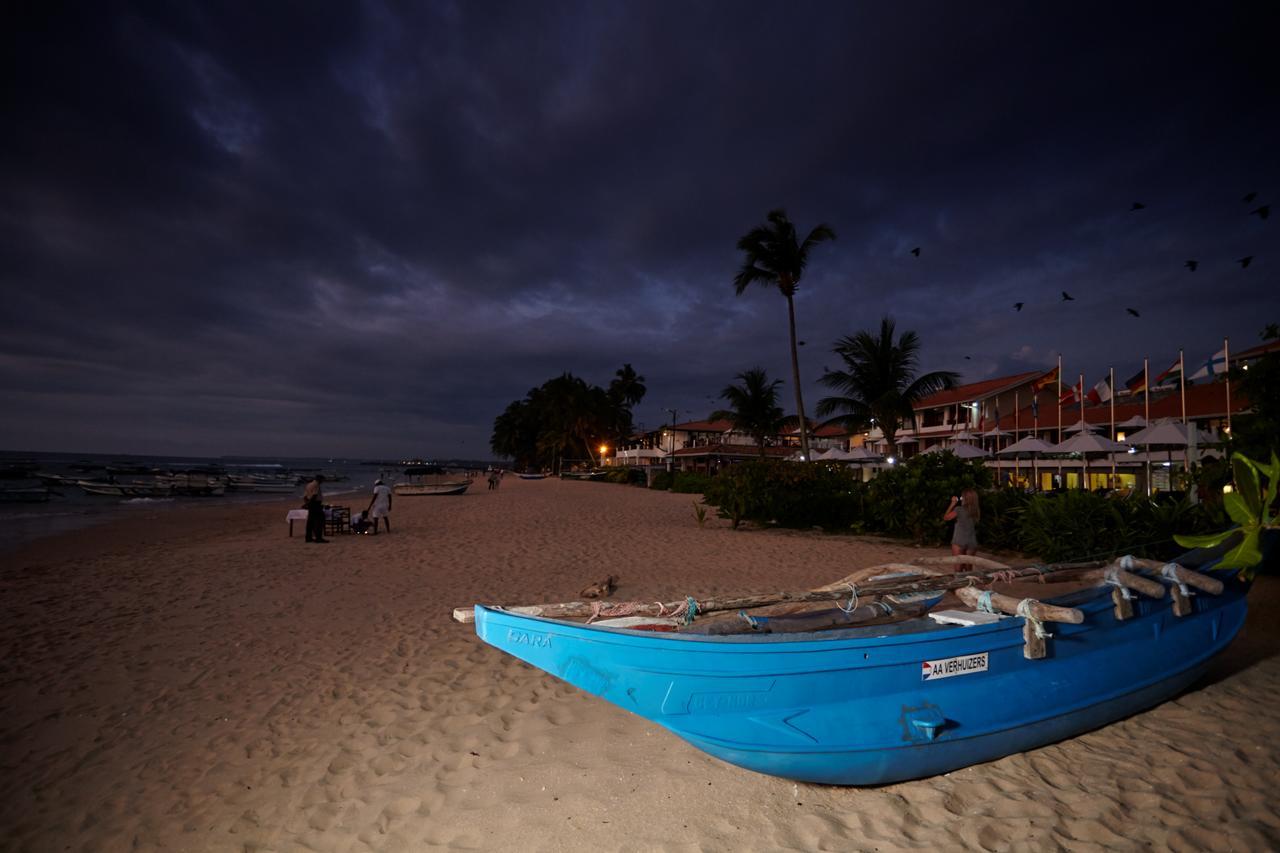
566,418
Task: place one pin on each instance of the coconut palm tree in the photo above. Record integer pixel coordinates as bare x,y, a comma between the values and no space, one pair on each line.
879,381
775,257
627,386
753,406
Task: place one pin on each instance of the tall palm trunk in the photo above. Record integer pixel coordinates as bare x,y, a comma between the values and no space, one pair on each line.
795,378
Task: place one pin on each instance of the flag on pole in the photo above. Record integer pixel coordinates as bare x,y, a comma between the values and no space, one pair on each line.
1212,366
1045,381
1035,408
996,425
1072,394
1171,373
1099,393
1137,383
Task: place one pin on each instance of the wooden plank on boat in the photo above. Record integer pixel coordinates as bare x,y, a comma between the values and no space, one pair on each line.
1008,604
886,586
1146,586
1175,572
1181,601
1123,605
967,618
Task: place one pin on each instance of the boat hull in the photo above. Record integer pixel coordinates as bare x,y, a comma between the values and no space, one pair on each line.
858,706
410,490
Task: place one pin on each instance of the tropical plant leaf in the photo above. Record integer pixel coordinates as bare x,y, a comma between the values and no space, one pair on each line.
1246,555
1205,540
1238,510
1246,477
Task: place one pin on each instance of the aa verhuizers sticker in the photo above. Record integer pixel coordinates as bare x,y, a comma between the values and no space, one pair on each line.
932,670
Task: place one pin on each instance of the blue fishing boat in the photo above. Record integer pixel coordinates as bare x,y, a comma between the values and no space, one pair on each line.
880,703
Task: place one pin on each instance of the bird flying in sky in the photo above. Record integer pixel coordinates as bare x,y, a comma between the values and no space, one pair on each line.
1133,312
916,250
1018,305
1137,205
1262,212
1249,198
1245,261
1191,265
1067,297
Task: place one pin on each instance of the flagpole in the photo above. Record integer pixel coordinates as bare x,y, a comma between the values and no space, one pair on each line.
1112,380
1084,457
1182,382
1060,416
1146,415
1226,363
1016,469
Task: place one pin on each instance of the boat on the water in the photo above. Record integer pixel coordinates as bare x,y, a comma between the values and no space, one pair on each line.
135,489
420,480
899,692
25,494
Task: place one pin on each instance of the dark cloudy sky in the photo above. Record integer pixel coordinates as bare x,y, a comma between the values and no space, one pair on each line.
363,229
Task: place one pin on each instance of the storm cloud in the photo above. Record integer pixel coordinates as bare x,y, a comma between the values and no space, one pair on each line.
363,229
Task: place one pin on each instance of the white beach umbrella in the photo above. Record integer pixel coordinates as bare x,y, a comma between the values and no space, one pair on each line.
1029,446
996,433
1086,443
963,435
1163,433
1080,426
1135,422
963,451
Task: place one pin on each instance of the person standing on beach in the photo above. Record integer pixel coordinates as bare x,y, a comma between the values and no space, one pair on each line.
313,503
380,506
966,512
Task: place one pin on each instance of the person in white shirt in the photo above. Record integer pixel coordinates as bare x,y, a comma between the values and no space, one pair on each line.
380,506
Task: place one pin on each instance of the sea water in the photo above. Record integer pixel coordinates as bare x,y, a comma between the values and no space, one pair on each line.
69,508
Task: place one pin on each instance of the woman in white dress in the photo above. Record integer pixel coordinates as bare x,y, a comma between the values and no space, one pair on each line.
380,506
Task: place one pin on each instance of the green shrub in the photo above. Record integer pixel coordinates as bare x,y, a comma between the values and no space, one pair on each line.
625,476
909,499
787,494
691,483
1002,510
661,481
1077,525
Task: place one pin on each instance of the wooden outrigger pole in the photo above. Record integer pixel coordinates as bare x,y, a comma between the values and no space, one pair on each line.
1115,573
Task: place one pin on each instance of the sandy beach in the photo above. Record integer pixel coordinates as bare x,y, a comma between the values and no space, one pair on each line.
196,680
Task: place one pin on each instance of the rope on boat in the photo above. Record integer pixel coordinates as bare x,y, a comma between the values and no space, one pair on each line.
1024,610
853,600
1110,577
1169,571
603,609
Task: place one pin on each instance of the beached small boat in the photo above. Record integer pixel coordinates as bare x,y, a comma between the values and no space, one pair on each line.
532,476
422,480
897,698
25,495
136,489
582,475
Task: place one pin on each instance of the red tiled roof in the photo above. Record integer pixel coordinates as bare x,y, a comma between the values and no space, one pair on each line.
976,391
734,450
1256,352
705,426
